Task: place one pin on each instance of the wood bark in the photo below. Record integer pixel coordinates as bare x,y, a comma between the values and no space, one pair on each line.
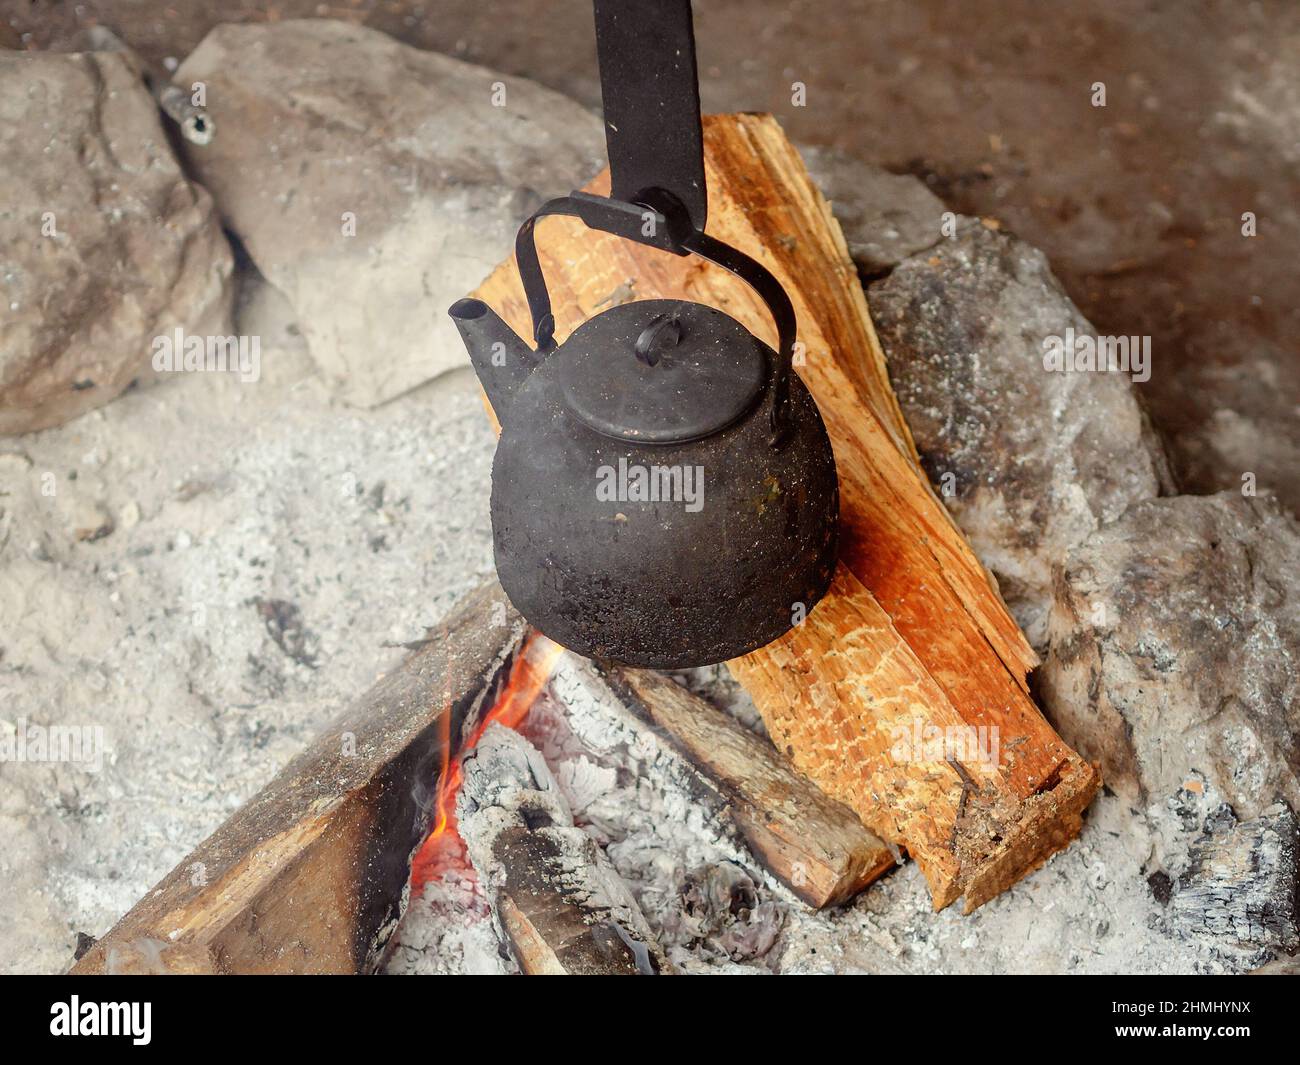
307,877
914,634
814,845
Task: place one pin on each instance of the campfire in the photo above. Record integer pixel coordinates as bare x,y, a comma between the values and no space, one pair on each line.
530,673
727,685
499,805
541,780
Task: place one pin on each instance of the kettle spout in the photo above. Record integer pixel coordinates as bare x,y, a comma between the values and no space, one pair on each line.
500,358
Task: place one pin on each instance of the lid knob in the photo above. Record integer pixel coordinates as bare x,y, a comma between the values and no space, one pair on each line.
662,327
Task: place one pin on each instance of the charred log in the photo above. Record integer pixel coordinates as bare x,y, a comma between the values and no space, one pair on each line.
557,900
814,845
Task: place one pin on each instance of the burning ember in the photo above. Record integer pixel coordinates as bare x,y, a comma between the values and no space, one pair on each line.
529,674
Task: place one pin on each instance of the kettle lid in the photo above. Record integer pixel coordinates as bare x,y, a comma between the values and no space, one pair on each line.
661,371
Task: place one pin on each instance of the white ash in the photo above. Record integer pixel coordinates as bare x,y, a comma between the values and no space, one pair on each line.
1090,909
508,785
639,799
448,931
257,557
712,896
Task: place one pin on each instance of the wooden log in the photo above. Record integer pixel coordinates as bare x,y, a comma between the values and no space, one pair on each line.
307,877
913,635
557,900
814,845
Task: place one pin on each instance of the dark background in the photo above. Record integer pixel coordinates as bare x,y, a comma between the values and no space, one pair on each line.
1138,204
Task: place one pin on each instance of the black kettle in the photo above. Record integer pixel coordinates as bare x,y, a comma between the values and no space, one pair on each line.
664,492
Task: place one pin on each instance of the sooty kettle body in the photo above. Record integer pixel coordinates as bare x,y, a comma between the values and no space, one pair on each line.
641,511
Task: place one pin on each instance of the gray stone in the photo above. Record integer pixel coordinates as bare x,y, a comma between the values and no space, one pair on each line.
1175,644
1029,461
885,217
104,244
325,126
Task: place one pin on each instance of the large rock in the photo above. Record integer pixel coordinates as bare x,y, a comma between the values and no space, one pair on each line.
1175,650
1029,461
326,129
103,242
885,217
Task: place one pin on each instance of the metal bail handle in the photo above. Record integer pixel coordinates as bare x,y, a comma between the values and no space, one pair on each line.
669,233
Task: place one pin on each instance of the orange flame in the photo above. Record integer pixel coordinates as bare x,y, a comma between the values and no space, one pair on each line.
529,674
